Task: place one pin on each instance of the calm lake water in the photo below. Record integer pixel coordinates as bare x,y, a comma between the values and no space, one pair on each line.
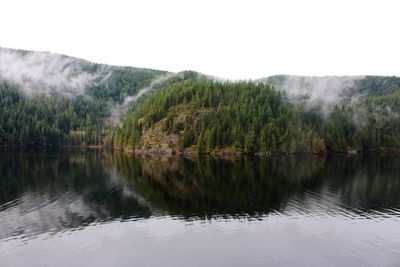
97,208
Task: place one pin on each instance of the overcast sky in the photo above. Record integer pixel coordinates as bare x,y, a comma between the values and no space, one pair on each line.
230,39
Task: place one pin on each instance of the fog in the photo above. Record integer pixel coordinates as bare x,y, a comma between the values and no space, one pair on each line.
46,73
324,92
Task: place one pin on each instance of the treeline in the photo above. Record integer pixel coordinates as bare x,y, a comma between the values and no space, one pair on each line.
209,116
189,112
50,121
58,119
54,119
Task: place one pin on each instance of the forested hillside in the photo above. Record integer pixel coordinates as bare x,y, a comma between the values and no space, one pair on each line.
235,117
55,100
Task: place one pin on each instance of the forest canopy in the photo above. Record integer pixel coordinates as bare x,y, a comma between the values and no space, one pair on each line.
56,100
254,117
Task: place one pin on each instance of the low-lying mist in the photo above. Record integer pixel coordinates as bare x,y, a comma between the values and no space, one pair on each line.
118,110
324,92
43,73
47,73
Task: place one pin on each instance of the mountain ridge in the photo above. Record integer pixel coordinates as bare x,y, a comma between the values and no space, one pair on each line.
51,99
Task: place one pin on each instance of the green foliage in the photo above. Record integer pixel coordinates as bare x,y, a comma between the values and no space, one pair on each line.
206,115
242,115
257,118
44,120
122,82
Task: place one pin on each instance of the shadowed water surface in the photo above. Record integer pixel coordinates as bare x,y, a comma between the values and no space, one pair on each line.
110,209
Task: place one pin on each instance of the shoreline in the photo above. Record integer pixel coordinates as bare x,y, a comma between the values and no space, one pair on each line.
237,153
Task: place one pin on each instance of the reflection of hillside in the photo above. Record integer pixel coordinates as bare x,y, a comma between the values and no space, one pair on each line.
366,183
212,186
32,172
43,192
208,185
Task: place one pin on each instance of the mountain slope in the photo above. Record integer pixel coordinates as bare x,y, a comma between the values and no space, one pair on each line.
55,100
246,117
50,99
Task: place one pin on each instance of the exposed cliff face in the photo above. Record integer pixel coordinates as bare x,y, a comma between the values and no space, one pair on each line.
158,140
155,140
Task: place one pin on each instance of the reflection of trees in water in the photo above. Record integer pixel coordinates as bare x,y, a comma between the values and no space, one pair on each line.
70,189
212,186
366,183
55,173
40,192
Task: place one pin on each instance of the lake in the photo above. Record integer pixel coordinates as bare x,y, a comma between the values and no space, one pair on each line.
100,208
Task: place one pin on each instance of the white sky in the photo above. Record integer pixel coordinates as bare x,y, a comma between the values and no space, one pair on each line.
229,39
